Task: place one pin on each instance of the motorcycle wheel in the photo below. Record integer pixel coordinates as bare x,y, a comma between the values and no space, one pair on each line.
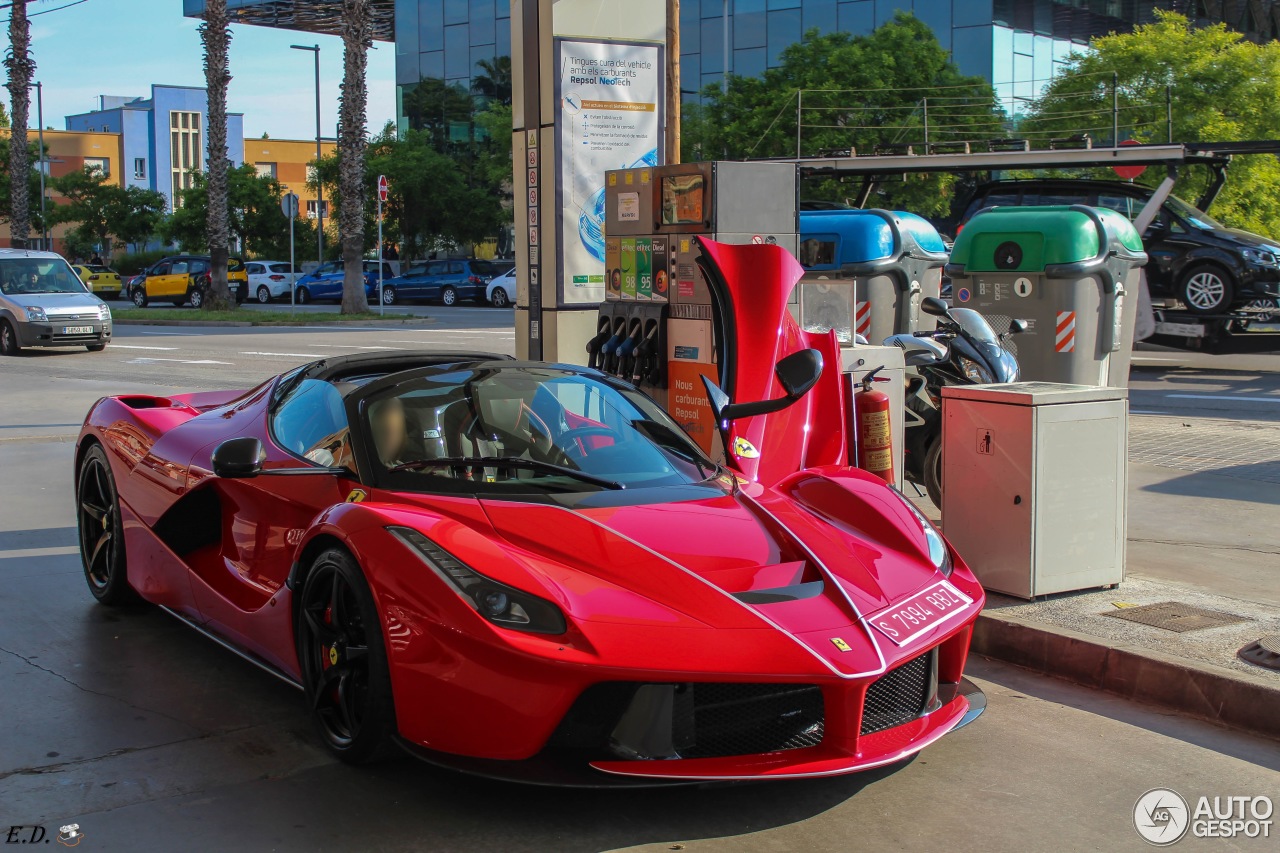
933,471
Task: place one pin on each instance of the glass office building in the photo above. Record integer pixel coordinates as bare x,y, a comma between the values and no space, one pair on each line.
1018,45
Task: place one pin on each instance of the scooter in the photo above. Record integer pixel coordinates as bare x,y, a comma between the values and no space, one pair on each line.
963,350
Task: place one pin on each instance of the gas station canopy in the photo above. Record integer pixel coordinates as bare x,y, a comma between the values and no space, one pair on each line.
312,16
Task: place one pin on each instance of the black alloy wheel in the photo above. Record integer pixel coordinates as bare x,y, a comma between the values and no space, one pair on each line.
102,549
344,660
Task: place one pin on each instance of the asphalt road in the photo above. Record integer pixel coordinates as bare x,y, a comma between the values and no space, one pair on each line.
148,735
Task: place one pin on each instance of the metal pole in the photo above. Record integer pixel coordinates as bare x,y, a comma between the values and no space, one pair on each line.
1168,111
799,118
926,125
44,226
293,281
381,305
1115,110
724,77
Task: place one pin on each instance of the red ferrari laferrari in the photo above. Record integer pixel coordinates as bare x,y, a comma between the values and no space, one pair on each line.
529,571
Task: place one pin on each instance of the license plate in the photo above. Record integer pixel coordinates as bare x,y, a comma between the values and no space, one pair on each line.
77,330
1182,330
924,611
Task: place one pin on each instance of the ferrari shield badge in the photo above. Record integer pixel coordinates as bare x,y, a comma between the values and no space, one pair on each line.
841,644
357,496
744,449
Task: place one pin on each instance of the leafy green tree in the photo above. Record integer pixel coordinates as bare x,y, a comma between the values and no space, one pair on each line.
102,210
859,92
1223,89
254,214
443,110
493,83
33,183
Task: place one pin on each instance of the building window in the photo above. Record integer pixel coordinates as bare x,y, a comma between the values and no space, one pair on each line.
265,170
140,168
98,164
311,209
186,151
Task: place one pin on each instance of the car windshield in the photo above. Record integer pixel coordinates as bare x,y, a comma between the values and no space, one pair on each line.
1194,216
498,428
38,275
975,324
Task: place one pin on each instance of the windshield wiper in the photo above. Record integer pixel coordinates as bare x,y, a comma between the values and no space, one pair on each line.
663,435
506,462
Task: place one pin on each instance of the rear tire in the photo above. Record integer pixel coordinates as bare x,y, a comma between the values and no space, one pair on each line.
933,472
500,299
1206,289
196,297
388,295
101,535
344,660
264,294
8,339
449,296
302,296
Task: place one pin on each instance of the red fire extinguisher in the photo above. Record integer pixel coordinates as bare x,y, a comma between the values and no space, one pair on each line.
874,432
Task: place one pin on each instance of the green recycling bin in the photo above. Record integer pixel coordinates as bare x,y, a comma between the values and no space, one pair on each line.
1071,272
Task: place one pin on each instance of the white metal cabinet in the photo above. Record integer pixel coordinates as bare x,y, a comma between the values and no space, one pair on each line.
1034,480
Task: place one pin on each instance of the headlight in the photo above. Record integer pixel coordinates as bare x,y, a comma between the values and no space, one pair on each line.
35,312
500,604
975,372
939,553
1260,258
104,313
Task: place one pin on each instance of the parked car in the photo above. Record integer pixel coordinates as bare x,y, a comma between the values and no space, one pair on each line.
326,281
183,279
502,290
445,281
101,280
270,279
43,303
1210,268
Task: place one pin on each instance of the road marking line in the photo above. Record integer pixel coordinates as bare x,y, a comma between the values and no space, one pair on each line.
286,354
131,346
51,551
154,360
179,334
1223,397
349,346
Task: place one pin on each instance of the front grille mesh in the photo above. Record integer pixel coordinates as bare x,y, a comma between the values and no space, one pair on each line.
91,316
746,719
898,696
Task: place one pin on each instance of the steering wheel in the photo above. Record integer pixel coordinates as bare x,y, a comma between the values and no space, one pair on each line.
569,438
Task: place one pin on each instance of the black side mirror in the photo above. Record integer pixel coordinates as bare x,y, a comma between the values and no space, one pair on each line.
238,458
934,306
797,374
1017,327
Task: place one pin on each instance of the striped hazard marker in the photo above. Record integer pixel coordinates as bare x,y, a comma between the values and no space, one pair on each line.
1066,338
862,318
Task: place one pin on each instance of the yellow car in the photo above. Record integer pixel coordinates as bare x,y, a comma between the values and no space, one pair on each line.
184,279
101,280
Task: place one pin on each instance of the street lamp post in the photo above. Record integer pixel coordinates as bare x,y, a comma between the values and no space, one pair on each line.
315,49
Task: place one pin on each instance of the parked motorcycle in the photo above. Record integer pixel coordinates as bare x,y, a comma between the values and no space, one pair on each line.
963,350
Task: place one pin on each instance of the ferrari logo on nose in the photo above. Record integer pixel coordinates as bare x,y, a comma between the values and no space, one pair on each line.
841,644
333,655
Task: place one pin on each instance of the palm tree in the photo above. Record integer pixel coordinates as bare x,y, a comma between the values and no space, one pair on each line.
216,35
21,68
494,81
356,39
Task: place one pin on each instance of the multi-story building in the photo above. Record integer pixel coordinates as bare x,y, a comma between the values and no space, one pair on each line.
164,135
287,161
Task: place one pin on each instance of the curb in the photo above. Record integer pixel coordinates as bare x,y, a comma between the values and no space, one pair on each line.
1185,687
243,324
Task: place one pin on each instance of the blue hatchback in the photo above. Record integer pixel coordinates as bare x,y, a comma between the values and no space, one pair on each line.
326,281
444,281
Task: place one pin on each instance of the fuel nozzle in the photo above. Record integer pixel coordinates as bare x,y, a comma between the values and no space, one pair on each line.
603,334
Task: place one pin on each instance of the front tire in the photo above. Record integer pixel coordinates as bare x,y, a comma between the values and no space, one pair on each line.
500,299
8,339
449,296
96,347
264,294
933,471
101,534
302,296
140,296
1206,289
344,660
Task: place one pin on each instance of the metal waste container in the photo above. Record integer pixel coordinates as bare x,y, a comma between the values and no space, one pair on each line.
1071,272
1034,484
866,272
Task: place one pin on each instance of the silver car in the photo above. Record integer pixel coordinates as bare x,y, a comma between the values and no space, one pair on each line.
43,303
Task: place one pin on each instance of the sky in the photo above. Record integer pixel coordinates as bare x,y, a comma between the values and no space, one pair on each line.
121,47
